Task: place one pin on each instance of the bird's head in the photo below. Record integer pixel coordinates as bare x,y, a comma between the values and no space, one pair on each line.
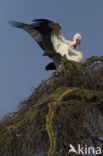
76,40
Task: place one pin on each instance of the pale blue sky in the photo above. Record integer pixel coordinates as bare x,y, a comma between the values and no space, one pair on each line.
21,61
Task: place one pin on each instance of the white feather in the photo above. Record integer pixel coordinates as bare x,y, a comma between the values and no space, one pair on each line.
64,47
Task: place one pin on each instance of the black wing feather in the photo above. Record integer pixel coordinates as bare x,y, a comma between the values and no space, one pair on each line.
29,28
40,30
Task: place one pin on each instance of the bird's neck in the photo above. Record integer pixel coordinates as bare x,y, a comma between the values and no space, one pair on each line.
74,44
78,56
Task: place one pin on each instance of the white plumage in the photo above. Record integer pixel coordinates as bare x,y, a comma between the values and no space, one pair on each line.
48,35
64,47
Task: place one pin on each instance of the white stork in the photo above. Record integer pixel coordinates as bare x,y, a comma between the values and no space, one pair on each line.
48,35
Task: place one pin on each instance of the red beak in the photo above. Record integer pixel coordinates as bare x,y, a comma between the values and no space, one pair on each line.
78,41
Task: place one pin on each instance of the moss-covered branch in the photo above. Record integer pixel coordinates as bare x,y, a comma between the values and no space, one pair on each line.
75,113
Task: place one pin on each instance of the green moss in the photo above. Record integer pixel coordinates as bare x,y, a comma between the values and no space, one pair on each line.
80,111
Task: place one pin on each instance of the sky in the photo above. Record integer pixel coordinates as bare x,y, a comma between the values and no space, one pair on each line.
22,65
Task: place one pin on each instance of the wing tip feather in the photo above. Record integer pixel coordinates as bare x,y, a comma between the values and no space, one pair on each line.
16,24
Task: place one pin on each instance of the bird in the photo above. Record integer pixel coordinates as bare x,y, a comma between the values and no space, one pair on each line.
48,34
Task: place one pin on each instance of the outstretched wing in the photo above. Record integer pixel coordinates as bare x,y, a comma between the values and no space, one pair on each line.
41,30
